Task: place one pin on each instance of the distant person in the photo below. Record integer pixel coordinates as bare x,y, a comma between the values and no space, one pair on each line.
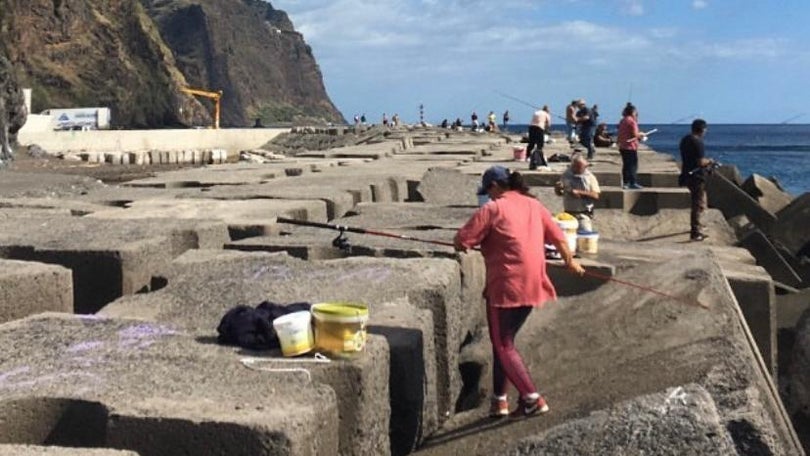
258,123
395,119
585,125
385,120
492,119
512,229
601,137
444,123
539,125
628,138
505,119
356,120
595,114
457,123
695,166
571,122
363,119
578,187
474,119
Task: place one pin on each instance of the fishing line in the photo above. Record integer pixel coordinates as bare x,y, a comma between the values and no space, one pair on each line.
645,288
343,228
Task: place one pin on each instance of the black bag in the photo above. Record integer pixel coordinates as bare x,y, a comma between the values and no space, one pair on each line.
252,328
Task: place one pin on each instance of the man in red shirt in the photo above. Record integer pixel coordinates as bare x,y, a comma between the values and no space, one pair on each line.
512,230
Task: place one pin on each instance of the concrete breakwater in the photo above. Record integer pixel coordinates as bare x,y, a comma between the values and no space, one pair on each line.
110,298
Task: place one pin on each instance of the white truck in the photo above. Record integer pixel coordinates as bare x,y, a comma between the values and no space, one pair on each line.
79,118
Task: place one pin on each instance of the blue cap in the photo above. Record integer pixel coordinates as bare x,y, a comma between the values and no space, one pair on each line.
493,174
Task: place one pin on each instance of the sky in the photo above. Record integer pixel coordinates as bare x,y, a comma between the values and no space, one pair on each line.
728,61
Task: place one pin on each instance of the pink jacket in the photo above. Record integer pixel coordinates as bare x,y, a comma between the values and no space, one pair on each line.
512,231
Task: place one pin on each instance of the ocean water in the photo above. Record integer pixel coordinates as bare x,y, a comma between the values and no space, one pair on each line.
781,151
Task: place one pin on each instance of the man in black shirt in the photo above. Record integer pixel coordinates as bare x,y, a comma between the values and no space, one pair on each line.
693,174
585,123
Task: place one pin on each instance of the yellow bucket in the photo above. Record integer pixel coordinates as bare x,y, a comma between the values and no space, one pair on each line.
340,327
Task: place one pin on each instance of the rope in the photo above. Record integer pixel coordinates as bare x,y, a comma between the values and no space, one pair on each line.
253,364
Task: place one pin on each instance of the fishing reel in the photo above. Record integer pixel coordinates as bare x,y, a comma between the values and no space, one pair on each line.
341,241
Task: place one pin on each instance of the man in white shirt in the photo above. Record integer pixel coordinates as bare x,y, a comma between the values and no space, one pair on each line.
578,187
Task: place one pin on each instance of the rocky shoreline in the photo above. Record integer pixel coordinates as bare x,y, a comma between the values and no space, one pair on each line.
110,296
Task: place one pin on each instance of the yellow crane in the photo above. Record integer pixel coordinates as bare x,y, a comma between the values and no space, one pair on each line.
216,96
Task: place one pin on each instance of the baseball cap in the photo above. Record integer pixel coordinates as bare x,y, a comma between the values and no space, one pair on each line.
493,174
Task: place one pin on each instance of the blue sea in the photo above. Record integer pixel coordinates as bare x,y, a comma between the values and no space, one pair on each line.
781,151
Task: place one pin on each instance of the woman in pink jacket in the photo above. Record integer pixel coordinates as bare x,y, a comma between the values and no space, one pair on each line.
512,230
628,138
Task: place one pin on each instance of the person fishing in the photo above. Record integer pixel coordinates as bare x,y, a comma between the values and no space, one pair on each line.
695,166
512,229
539,126
579,188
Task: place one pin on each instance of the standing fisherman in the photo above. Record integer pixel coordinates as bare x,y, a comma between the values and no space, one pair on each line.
693,174
512,230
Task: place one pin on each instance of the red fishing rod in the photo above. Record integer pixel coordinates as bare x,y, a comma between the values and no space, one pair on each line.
342,242
348,229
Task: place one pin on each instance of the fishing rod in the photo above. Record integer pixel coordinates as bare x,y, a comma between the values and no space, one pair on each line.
690,116
342,242
525,103
797,116
654,130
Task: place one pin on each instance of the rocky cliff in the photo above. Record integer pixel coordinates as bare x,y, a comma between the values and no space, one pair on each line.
249,50
76,53
134,56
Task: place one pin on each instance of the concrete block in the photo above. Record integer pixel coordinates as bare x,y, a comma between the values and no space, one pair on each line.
791,230
731,173
70,381
413,388
29,288
136,158
689,424
769,258
34,450
364,405
244,218
754,291
769,196
202,285
446,187
658,179
733,201
790,307
106,260
338,202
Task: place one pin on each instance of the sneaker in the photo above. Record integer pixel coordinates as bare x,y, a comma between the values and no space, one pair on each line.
698,237
530,408
498,408
625,187
635,187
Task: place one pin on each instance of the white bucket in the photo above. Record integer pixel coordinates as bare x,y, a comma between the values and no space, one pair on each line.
569,228
294,331
588,242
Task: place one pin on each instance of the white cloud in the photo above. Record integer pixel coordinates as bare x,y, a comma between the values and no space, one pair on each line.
699,4
633,7
383,54
749,49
